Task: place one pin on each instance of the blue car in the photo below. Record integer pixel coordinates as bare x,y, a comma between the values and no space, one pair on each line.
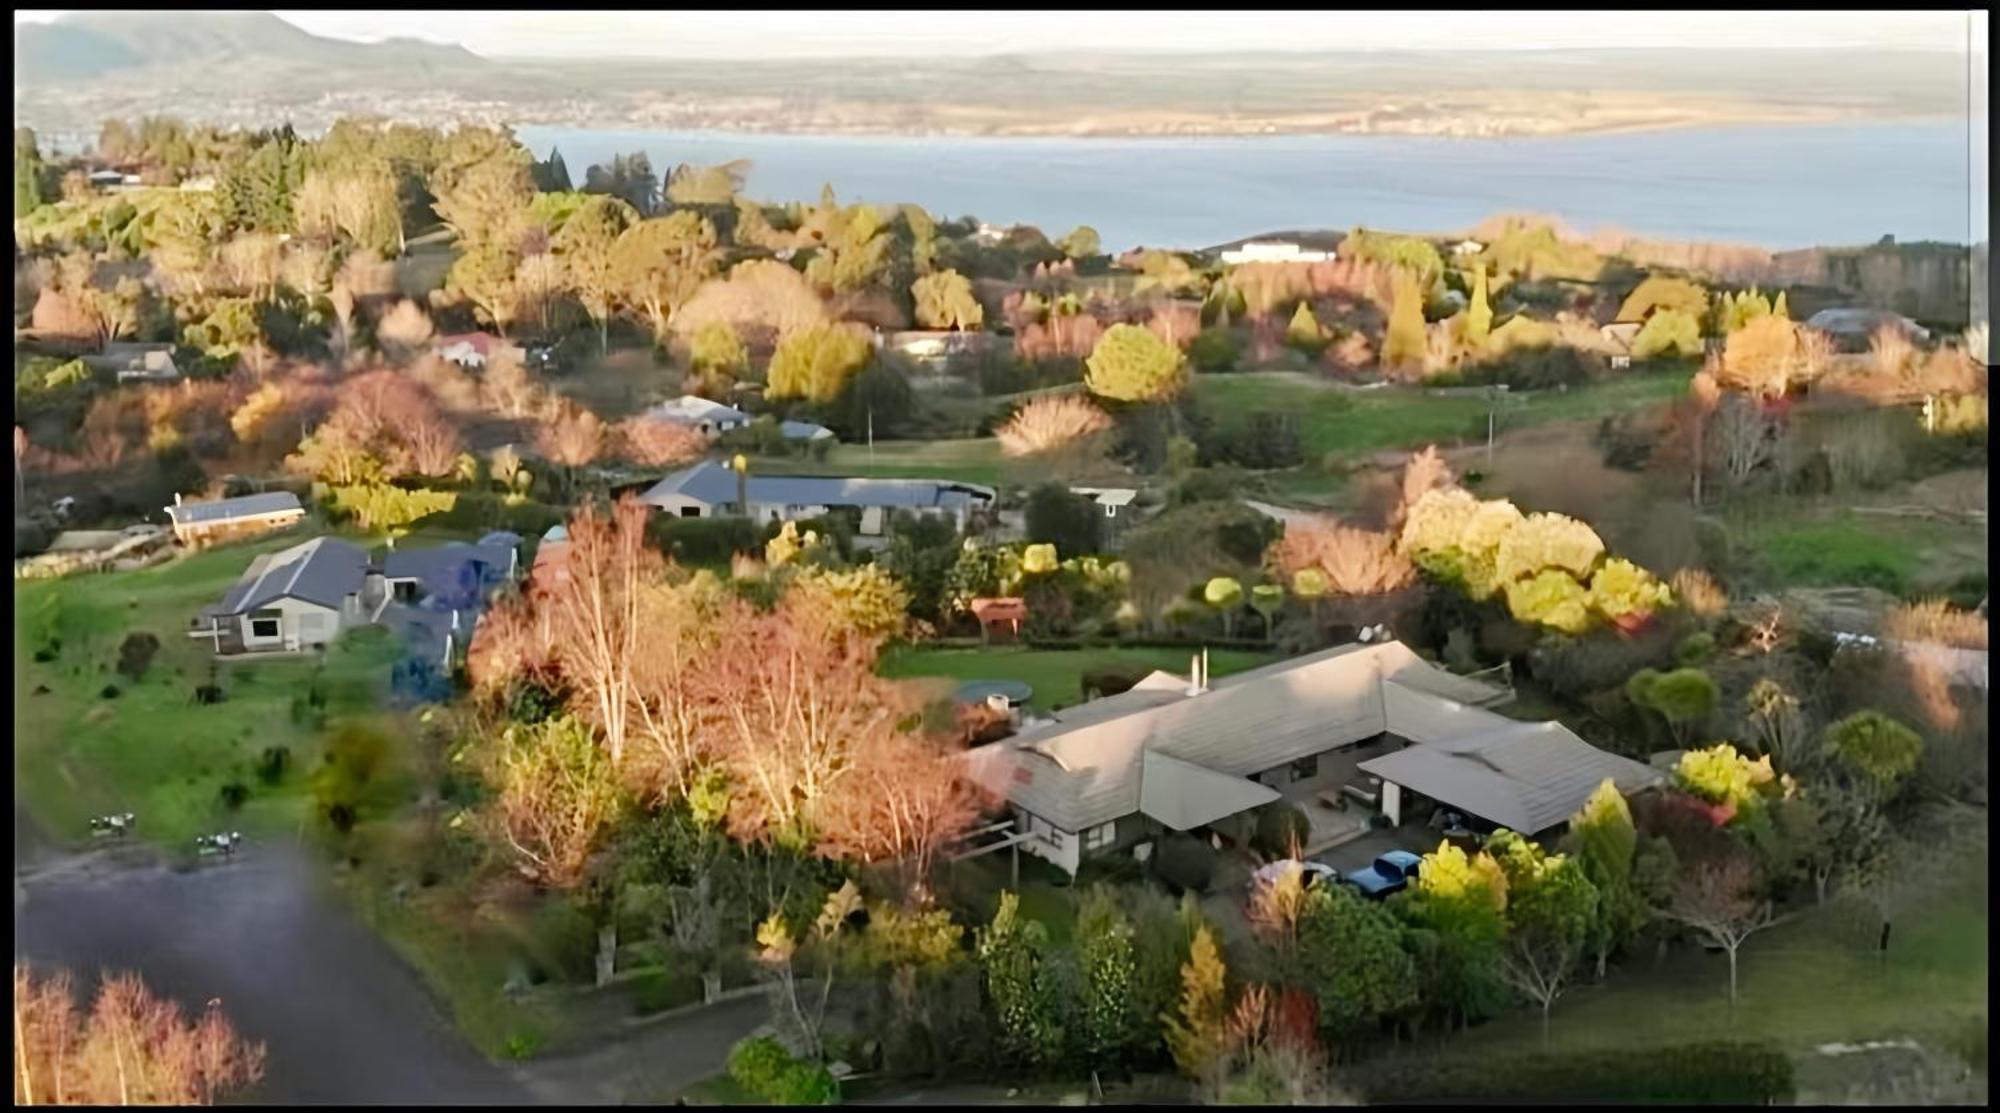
1391,873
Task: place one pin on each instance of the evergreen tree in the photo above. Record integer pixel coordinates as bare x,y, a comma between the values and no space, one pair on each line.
1404,343
1305,332
27,173
1479,314
552,175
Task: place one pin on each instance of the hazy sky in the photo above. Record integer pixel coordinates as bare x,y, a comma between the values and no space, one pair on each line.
697,34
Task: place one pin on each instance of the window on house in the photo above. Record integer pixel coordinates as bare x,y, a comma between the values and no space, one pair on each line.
690,511
1100,836
264,623
1305,768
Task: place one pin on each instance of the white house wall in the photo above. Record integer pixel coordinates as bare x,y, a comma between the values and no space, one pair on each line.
293,626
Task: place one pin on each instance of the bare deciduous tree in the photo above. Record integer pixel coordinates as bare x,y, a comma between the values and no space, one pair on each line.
132,1048
1720,900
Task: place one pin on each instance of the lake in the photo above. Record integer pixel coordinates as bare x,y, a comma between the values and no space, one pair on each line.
1777,186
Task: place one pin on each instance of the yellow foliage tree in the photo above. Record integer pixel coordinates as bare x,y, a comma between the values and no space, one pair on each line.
1132,364
816,363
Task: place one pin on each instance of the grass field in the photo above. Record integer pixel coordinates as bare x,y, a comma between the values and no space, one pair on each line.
970,460
1357,423
1055,674
1794,544
1813,980
151,749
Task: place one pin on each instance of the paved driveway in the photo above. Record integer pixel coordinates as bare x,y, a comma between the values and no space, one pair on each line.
344,1021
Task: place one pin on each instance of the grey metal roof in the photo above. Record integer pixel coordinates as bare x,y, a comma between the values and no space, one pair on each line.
1086,767
243,506
323,571
803,430
711,483
430,564
1525,776
1857,319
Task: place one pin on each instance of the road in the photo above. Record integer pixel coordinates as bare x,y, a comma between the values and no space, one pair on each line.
344,1020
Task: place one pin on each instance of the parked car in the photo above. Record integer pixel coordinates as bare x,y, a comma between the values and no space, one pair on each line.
1316,873
1390,873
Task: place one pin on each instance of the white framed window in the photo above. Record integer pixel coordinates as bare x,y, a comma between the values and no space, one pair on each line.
1100,836
264,623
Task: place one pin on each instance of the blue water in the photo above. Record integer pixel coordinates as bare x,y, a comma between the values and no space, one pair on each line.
1775,186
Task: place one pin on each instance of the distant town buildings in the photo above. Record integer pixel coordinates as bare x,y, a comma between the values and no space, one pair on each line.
709,489
1274,251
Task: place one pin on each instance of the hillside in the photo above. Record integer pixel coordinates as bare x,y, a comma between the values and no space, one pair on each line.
88,47
86,66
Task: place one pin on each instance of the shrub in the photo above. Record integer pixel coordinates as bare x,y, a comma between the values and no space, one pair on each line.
1694,649
660,990
272,764
703,541
1213,352
1280,827
1184,862
1110,680
234,794
135,654
110,691
523,1044
762,1066
1721,1073
1069,521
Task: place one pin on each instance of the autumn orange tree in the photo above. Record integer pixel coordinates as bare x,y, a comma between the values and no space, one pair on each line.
131,1048
594,613
1048,423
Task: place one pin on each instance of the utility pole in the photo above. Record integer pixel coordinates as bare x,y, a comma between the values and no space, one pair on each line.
871,436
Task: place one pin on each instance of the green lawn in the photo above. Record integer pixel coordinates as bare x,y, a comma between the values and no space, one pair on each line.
151,749
969,460
1357,423
1813,980
1798,545
1056,675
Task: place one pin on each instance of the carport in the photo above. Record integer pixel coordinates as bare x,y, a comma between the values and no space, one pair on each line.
1526,777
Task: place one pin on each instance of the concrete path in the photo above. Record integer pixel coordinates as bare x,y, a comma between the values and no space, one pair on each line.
655,1064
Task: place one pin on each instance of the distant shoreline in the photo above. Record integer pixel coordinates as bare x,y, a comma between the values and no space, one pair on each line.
66,136
1266,131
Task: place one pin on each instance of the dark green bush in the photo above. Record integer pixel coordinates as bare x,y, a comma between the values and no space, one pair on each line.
660,990
1110,680
1694,649
704,541
272,764
1714,1073
233,795
110,691
1280,826
1213,352
562,941
1184,862
1070,522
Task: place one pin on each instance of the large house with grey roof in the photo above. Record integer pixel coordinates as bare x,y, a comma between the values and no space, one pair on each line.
709,488
1373,724
301,598
204,523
